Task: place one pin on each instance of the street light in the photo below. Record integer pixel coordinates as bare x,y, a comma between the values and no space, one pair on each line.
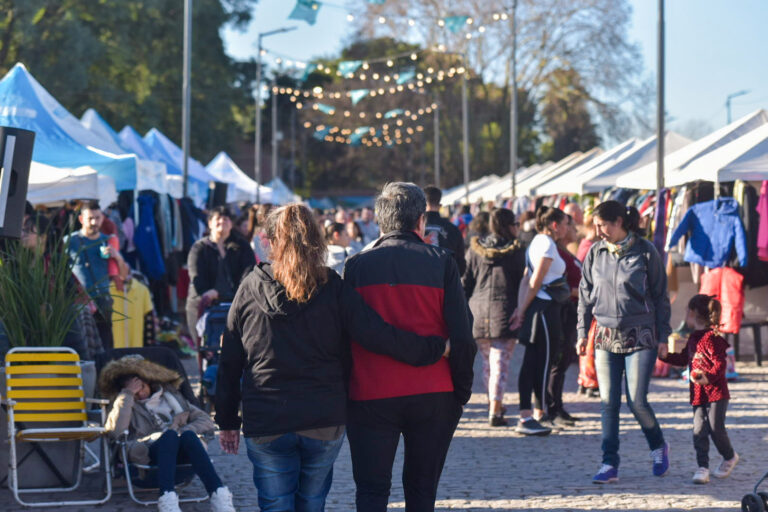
186,90
728,101
513,106
257,149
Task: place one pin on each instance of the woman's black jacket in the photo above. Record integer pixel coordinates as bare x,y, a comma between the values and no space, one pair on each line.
495,268
287,362
203,264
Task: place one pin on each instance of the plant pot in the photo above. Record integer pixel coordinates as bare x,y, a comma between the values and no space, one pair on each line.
34,472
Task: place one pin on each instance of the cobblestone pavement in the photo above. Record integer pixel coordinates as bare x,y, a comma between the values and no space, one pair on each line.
496,469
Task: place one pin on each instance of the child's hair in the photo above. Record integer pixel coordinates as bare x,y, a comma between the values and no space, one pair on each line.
707,308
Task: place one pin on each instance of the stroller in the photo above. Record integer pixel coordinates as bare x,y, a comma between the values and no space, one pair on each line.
757,501
211,327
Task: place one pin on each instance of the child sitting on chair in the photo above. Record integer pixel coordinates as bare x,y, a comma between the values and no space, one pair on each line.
162,427
704,355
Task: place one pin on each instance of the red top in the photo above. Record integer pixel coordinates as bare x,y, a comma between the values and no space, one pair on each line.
704,351
584,247
412,308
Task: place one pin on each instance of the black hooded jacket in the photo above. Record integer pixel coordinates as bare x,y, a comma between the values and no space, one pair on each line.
495,268
293,358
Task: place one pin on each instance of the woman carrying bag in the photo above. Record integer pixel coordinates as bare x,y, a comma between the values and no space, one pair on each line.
542,290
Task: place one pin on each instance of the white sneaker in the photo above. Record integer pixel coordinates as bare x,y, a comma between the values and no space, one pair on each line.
701,476
221,500
168,502
725,467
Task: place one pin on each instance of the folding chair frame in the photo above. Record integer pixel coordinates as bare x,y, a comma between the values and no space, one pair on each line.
130,484
38,435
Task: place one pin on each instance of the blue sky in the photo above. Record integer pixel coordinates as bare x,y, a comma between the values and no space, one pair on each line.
713,48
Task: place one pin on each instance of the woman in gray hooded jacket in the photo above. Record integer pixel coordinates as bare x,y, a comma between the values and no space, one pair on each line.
624,289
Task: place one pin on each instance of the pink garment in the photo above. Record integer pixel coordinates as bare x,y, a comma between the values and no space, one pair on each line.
727,285
762,230
129,229
584,247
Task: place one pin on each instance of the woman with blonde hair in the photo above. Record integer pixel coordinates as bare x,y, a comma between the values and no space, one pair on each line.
285,356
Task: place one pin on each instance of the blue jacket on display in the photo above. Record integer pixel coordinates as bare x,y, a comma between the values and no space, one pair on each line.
146,241
715,227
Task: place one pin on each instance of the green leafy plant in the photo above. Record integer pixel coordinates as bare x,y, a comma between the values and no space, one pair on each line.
39,298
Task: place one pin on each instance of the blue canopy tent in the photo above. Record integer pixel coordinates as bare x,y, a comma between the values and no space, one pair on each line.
61,142
152,175
173,156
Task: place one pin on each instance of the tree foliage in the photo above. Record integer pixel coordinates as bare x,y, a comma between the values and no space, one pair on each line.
124,58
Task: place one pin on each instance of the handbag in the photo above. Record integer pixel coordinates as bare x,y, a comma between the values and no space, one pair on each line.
559,290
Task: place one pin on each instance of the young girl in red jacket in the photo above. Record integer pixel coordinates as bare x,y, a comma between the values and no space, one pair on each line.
704,355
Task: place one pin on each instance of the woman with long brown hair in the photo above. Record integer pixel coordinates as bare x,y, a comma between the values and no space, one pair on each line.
287,341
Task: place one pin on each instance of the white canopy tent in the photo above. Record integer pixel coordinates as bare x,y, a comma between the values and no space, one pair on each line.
527,186
502,187
604,176
48,184
745,158
569,182
240,186
456,194
645,177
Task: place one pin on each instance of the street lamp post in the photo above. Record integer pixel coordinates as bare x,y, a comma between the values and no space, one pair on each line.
513,105
660,105
274,126
728,102
437,144
186,106
257,142
465,126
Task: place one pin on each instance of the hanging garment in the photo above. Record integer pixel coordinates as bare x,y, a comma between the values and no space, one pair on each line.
762,231
715,229
660,222
145,238
128,314
756,271
727,285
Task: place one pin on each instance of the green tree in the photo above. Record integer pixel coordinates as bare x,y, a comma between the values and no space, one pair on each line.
124,58
566,115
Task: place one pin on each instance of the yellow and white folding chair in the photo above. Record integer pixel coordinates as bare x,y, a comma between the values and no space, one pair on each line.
46,404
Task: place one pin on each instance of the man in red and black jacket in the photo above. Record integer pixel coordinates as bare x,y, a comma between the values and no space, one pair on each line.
417,287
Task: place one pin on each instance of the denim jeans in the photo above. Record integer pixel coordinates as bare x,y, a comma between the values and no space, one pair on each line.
636,368
185,448
293,472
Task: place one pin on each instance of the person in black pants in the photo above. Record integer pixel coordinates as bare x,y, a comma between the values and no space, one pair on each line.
414,286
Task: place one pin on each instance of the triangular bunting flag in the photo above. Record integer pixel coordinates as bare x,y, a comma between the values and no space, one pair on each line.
305,10
358,94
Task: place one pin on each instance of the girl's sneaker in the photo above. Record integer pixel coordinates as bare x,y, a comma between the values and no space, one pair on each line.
701,476
725,467
606,475
660,458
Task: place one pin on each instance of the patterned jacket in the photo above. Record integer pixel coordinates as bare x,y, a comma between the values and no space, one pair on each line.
704,351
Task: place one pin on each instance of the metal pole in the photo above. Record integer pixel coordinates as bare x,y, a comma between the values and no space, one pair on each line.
293,146
660,106
437,144
513,106
274,127
257,139
728,108
186,92
465,126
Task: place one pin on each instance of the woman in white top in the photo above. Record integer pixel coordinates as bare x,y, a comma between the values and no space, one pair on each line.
538,315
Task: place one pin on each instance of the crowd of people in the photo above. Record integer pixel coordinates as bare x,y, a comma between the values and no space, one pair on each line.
345,323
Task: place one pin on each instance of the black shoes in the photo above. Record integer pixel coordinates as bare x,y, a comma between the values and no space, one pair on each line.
497,421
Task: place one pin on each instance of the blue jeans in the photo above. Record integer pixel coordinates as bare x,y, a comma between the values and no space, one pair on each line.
636,368
293,472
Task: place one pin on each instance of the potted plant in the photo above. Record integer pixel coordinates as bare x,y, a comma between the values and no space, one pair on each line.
39,304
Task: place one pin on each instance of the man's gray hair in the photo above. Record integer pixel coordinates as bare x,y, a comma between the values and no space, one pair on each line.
399,207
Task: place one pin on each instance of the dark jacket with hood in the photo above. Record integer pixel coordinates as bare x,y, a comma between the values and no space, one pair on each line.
495,268
203,264
293,358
